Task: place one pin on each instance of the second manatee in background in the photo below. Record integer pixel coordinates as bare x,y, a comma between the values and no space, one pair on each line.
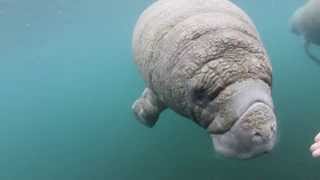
204,59
305,22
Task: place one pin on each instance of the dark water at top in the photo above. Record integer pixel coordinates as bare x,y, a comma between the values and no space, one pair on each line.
68,82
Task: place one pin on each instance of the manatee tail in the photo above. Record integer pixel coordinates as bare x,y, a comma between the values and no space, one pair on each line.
307,50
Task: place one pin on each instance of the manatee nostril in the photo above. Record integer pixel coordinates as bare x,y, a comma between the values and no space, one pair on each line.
257,137
257,134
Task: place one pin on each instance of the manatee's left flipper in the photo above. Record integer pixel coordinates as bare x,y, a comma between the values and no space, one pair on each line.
148,108
307,45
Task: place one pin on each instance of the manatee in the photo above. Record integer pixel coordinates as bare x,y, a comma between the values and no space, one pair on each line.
305,22
204,60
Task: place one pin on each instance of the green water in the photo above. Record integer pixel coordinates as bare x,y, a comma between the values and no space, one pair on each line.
68,82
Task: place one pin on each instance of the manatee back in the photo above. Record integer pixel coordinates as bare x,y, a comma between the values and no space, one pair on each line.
181,44
163,16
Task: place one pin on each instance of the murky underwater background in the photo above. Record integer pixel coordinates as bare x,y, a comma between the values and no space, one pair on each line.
68,81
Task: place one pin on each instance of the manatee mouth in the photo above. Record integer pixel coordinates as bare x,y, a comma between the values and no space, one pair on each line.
252,135
245,124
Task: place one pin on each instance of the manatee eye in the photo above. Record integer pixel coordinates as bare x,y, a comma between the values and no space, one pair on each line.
200,97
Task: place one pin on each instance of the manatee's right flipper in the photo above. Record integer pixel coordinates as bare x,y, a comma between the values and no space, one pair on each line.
148,108
307,50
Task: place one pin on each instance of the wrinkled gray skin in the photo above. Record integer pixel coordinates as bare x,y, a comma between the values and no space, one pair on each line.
204,60
305,22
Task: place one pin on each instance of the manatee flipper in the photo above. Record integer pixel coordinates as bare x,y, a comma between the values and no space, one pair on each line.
307,45
148,108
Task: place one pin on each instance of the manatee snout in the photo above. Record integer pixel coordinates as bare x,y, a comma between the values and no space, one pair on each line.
244,123
253,134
